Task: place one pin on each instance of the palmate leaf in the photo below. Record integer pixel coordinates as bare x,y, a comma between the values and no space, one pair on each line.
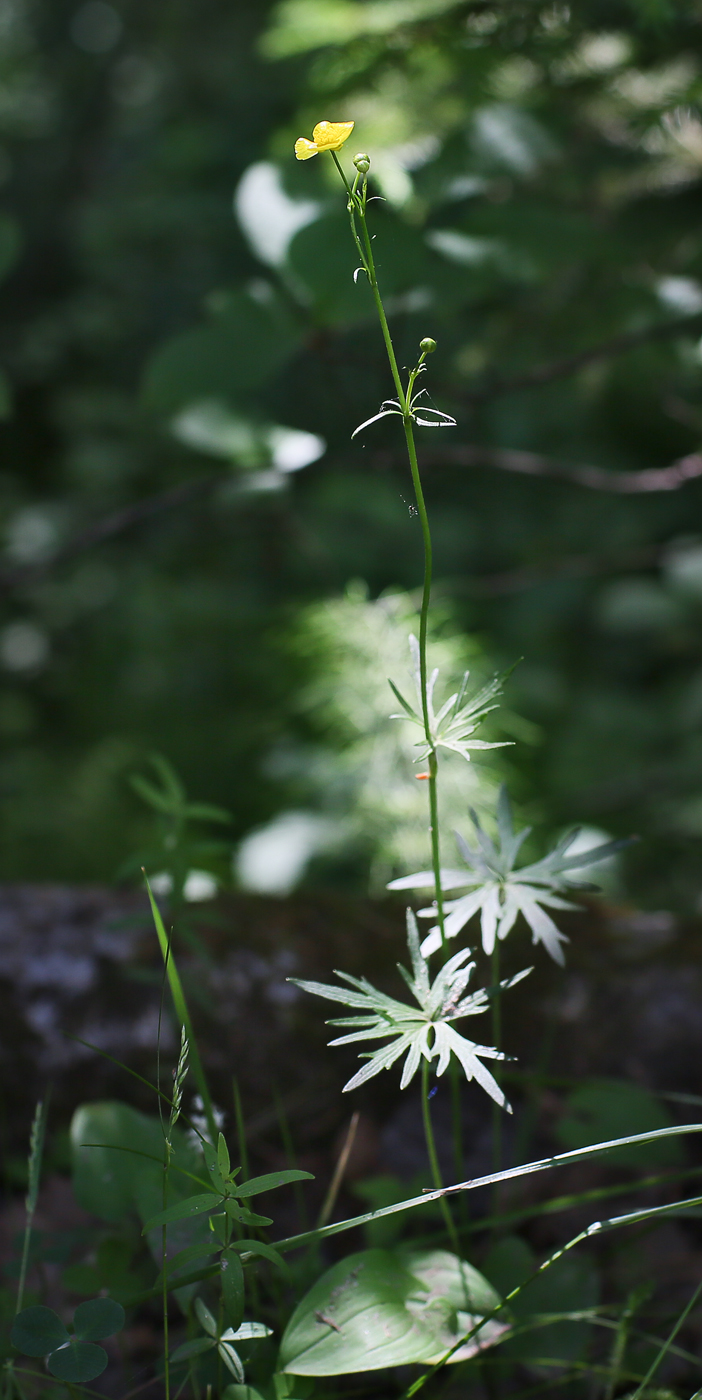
416,1032
499,892
456,721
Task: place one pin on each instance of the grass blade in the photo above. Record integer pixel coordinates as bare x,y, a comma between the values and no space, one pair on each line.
181,1010
543,1164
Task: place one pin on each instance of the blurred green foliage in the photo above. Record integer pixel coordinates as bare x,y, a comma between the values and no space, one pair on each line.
540,166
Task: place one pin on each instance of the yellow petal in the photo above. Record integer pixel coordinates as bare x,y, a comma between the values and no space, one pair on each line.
304,149
330,136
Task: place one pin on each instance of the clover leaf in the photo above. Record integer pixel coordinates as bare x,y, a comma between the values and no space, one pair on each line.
71,1357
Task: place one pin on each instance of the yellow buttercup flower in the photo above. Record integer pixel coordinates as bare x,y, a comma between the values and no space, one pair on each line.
327,136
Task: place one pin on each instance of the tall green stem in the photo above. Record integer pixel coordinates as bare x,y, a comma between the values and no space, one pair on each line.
497,1042
433,1159
423,624
356,206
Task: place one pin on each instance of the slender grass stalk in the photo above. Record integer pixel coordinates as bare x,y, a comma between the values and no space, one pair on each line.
619,1344
338,1176
575,1154
240,1128
291,1158
181,1010
666,1345
164,1268
179,1080
597,1227
36,1152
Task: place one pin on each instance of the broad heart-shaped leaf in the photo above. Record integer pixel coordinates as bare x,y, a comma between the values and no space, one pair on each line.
465,1294
123,1174
387,1308
118,1161
78,1362
222,359
37,1331
257,1184
98,1318
322,258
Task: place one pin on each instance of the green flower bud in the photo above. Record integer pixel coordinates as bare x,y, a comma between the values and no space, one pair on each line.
362,162
427,345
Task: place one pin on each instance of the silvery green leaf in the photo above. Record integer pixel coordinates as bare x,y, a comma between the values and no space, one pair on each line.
381,1059
375,1032
499,892
450,880
467,1054
419,967
414,1031
556,862
543,929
